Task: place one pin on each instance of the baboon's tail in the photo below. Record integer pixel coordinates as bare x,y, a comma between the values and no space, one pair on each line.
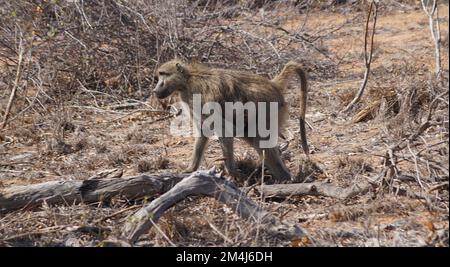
282,79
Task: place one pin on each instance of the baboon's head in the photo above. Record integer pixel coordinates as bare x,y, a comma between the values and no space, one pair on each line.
171,76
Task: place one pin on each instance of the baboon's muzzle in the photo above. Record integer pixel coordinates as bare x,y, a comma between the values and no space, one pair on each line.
162,91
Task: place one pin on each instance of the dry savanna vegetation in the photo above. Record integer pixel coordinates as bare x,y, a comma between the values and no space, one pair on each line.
86,155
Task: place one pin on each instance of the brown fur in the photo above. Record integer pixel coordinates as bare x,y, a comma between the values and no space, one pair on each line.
222,85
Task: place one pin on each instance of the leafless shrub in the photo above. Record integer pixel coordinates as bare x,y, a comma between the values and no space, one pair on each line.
97,52
421,118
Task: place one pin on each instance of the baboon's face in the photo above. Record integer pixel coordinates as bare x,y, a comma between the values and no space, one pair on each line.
171,77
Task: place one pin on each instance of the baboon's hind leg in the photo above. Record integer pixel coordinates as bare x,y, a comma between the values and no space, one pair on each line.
272,159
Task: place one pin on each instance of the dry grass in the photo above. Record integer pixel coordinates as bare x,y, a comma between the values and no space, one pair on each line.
67,121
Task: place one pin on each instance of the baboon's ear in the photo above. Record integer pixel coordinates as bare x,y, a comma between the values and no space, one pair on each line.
180,68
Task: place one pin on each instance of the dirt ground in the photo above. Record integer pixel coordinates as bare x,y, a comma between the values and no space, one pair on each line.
344,153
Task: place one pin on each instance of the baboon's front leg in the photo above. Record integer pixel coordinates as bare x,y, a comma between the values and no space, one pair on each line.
227,148
197,155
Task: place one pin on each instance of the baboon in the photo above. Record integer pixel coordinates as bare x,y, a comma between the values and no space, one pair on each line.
223,85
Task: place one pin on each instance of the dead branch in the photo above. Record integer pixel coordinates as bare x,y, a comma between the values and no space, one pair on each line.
431,10
102,188
367,54
87,191
391,157
16,83
422,128
207,183
314,189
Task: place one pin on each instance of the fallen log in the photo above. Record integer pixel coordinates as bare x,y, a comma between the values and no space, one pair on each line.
86,191
313,189
134,187
208,183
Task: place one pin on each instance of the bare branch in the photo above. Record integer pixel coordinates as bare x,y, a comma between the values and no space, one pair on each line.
16,81
367,54
432,11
